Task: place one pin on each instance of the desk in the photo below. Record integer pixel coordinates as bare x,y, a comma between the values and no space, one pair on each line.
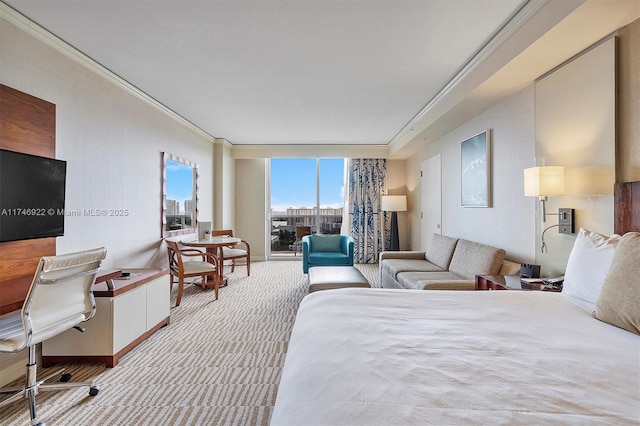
214,245
128,310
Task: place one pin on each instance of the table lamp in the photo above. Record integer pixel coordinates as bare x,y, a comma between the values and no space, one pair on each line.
394,204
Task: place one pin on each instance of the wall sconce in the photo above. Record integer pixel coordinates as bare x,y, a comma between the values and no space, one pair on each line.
394,204
543,182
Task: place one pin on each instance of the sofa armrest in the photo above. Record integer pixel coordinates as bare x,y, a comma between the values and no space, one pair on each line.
419,255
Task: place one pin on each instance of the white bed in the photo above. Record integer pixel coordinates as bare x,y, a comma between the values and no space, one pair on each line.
388,357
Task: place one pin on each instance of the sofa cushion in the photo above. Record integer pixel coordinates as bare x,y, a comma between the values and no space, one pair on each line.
619,298
394,266
330,243
416,280
440,250
471,259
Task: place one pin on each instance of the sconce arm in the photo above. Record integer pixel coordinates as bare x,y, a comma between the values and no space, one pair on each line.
543,245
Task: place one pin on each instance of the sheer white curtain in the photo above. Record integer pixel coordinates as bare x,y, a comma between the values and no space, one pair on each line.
363,219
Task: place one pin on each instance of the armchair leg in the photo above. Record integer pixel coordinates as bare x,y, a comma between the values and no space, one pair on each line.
216,285
180,290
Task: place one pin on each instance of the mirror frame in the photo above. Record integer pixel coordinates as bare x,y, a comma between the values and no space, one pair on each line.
195,191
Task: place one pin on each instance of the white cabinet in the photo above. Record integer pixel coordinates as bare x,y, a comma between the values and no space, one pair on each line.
125,315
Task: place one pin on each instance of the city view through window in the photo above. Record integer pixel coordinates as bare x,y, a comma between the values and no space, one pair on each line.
179,185
298,187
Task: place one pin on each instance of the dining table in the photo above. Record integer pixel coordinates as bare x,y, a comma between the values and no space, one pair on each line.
214,245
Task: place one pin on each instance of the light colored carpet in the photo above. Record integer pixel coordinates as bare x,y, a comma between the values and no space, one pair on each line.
217,363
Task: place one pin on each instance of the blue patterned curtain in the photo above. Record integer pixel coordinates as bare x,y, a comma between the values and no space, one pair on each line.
366,182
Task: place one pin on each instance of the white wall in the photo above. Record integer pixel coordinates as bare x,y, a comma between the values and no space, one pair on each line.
112,142
575,128
509,222
251,205
224,186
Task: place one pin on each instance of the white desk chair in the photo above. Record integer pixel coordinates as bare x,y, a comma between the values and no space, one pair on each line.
60,298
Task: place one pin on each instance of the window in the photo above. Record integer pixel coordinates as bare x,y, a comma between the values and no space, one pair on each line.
304,192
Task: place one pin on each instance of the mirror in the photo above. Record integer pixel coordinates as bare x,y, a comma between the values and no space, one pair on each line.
179,196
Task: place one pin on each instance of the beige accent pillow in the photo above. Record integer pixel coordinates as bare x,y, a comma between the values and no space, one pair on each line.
619,300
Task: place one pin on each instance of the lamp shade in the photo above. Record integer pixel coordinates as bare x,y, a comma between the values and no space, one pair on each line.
544,181
394,203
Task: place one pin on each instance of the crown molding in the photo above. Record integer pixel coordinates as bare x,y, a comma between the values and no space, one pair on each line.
25,24
222,141
317,150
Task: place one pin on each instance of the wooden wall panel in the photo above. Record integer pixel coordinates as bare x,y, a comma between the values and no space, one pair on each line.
627,207
27,124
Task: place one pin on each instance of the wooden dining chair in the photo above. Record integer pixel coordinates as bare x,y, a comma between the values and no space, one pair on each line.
206,268
235,252
301,231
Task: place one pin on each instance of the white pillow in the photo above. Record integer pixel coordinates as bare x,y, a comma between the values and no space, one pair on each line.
588,265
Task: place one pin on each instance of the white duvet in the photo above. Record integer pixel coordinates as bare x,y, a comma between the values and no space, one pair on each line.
390,357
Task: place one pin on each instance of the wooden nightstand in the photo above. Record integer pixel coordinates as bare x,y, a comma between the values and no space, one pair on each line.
508,282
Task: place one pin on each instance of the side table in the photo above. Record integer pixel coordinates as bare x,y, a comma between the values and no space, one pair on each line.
509,282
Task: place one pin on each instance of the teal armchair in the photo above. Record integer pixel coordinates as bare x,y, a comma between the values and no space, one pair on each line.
326,250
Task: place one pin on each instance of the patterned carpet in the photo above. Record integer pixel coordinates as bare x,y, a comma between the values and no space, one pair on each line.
217,363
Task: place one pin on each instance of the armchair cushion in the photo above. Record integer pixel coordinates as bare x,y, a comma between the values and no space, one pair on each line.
197,266
326,243
233,252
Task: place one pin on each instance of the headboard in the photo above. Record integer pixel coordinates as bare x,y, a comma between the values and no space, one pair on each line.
626,209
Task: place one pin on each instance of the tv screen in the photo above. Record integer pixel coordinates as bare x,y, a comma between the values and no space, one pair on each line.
32,192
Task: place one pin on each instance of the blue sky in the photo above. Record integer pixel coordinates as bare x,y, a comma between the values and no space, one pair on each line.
179,182
293,182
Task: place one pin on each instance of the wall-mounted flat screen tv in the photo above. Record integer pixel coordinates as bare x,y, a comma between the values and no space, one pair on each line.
32,194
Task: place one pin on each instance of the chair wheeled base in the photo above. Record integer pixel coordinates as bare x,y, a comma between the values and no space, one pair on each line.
33,386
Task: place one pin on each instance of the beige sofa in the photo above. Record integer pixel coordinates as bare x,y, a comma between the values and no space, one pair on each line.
448,264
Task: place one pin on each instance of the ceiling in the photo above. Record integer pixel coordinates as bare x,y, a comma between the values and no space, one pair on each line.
317,72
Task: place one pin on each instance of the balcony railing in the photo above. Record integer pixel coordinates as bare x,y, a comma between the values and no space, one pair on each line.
283,230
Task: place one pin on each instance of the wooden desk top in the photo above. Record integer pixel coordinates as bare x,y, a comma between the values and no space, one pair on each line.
138,277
